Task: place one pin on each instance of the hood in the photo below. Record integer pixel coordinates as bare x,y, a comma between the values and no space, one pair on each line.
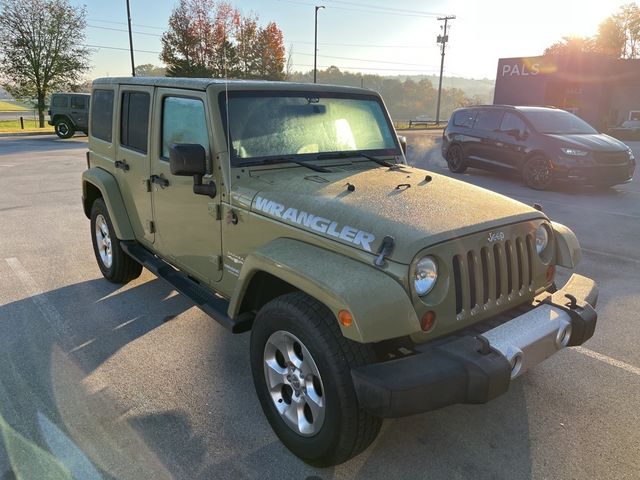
380,202
596,142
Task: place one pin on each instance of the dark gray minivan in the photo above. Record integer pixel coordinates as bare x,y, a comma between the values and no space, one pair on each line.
69,112
542,144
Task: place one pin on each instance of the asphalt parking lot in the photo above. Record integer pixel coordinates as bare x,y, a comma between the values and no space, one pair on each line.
135,382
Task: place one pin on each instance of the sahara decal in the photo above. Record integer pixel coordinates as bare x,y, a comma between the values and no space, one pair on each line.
316,223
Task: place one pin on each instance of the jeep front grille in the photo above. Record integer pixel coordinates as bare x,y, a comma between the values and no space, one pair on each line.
498,274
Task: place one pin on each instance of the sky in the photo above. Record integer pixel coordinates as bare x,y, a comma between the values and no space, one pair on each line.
365,36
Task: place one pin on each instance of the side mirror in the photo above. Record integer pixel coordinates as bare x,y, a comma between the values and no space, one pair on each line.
403,143
190,159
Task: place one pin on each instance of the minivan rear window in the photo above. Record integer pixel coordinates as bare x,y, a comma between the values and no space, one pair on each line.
464,118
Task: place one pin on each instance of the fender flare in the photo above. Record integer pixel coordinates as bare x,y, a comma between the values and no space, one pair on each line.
110,192
380,306
568,251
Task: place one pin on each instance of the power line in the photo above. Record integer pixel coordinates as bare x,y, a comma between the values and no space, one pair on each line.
379,12
120,48
368,61
380,7
123,30
124,23
358,45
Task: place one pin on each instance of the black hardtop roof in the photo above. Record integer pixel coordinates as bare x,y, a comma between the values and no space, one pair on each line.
204,83
512,107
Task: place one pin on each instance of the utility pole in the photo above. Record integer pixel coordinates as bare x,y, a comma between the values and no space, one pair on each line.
315,46
442,39
133,64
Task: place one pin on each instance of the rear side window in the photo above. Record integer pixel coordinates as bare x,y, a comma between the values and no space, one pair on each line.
60,102
488,120
102,114
183,121
78,103
464,118
134,120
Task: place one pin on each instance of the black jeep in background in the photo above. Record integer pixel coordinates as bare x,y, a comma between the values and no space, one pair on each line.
542,144
69,112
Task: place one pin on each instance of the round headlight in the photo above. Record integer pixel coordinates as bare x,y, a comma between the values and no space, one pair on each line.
425,276
542,239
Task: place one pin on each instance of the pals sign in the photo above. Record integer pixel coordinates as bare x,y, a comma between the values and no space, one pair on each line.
520,70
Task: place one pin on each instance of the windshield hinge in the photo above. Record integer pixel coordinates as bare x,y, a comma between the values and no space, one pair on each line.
215,211
151,226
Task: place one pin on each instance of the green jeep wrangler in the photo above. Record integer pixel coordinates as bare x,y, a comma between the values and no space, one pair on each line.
371,288
68,113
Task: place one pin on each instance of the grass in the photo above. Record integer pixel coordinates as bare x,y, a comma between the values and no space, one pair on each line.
30,125
11,107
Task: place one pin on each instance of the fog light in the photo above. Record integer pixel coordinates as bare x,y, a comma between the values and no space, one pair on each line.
551,272
345,318
428,319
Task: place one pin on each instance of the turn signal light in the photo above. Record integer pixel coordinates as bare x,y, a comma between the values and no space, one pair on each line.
345,318
428,319
551,272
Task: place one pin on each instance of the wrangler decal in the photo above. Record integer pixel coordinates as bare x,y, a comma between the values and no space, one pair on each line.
316,223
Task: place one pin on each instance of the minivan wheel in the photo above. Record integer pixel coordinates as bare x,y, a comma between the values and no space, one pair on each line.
63,128
115,265
301,366
455,159
537,173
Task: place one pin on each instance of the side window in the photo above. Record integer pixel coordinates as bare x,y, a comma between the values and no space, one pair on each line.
102,114
134,120
464,118
60,102
511,121
183,121
78,103
489,119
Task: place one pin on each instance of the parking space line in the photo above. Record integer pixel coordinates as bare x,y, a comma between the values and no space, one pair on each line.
612,255
570,205
608,360
47,309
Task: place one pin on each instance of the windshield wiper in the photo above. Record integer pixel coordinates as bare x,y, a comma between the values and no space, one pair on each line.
356,153
270,161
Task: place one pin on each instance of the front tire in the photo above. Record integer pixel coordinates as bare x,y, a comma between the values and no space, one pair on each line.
115,265
455,159
301,365
64,128
537,173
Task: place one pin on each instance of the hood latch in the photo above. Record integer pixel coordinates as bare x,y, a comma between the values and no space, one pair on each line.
386,247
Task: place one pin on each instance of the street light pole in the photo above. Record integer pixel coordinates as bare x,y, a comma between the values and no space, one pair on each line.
133,65
315,46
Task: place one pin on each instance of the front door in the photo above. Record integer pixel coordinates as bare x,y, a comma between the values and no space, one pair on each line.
512,146
188,232
133,163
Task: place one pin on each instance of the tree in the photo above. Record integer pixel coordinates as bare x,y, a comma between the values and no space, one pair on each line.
620,33
571,46
40,48
150,70
210,38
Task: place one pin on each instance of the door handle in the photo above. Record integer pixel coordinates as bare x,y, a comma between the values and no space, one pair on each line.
122,164
163,182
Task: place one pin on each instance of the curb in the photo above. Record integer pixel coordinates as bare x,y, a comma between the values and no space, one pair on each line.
24,134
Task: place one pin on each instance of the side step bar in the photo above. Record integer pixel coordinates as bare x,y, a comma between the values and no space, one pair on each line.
210,303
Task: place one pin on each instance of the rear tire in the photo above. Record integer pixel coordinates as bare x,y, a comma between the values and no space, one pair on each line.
115,265
64,128
537,173
455,159
298,350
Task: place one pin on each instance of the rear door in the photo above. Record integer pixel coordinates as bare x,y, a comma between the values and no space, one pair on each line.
79,111
133,160
187,225
483,148
511,147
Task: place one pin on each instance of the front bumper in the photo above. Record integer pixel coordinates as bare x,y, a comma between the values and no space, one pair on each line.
596,175
475,367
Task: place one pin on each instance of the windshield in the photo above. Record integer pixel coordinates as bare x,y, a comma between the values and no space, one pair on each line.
631,123
558,122
278,124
